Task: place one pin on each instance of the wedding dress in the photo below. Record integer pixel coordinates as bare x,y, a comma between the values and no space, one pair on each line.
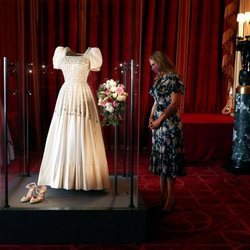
74,155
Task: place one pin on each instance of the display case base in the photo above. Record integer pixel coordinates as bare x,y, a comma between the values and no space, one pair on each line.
70,216
72,226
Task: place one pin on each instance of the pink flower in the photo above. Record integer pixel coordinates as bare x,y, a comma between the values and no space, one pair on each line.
103,103
107,92
115,104
120,89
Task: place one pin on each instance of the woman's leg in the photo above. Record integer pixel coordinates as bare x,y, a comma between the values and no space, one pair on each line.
164,190
170,198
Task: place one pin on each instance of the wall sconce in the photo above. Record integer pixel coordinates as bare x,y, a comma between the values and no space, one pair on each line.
243,20
247,17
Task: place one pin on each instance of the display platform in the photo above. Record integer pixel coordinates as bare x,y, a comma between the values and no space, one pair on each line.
70,216
208,137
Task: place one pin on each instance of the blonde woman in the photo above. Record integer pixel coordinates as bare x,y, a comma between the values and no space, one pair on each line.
167,155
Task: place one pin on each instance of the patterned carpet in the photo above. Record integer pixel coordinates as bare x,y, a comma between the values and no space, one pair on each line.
212,212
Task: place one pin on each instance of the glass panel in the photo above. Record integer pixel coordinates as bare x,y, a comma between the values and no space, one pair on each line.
33,86
9,134
2,145
15,143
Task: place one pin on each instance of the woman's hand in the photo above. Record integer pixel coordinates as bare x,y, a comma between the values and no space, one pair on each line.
154,124
150,121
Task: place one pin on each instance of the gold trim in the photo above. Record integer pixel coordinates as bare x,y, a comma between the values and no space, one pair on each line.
243,89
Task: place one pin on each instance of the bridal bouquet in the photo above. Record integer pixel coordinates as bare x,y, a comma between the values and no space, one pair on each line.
111,102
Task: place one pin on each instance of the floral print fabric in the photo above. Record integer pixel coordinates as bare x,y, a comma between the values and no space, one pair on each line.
167,156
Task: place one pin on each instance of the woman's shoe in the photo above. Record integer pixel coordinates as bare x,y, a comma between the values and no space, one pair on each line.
31,186
40,195
169,209
163,201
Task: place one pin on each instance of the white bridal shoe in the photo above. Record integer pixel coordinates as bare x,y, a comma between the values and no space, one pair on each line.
40,195
31,192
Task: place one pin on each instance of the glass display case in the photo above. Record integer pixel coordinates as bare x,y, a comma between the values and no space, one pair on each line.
29,92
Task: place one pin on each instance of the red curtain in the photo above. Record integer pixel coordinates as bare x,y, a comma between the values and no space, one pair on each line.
200,47
205,91
189,31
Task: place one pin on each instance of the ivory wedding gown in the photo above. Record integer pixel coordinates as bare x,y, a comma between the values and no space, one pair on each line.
74,155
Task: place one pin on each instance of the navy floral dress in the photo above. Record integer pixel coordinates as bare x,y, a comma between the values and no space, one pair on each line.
167,156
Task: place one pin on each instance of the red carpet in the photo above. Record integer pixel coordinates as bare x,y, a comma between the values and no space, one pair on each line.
212,212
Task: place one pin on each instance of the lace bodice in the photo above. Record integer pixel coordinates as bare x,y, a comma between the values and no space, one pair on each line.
76,68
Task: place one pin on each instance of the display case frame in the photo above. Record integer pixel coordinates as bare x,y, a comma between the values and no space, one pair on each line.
120,207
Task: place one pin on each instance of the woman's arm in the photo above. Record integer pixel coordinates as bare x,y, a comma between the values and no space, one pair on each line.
151,115
172,107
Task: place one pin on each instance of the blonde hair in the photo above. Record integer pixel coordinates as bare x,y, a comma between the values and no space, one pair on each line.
163,61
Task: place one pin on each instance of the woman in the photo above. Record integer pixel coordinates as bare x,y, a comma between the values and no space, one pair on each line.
167,156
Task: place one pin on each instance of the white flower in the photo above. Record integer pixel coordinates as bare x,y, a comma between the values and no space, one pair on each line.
113,89
109,107
114,95
100,102
121,98
110,83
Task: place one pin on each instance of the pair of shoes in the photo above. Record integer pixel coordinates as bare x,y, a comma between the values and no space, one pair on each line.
169,209
35,193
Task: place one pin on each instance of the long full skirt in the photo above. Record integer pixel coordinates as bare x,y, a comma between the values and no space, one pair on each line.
74,155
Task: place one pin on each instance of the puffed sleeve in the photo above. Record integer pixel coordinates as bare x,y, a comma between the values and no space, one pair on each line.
95,58
57,58
176,85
